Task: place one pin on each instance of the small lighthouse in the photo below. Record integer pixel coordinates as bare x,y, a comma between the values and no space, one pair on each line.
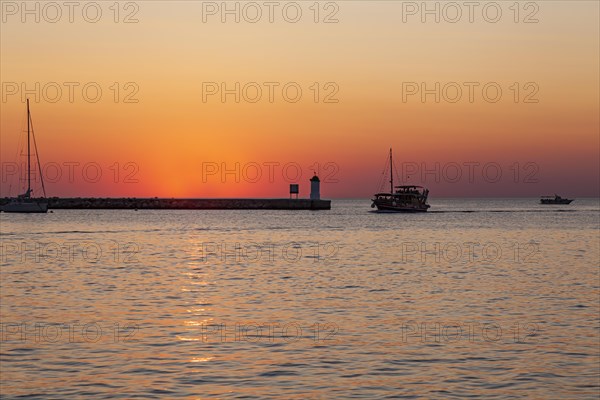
315,188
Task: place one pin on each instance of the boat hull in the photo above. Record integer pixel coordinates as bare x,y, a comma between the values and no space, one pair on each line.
400,208
26,207
563,201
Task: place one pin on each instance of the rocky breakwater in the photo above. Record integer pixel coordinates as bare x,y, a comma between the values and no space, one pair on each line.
187,204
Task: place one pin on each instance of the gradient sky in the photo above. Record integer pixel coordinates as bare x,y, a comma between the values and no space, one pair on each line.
170,134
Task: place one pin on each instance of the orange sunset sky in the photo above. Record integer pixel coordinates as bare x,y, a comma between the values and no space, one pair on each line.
542,140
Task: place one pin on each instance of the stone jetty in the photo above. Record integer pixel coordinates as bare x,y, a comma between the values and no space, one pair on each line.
83,203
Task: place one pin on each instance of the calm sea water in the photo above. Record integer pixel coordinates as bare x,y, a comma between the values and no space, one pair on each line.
478,298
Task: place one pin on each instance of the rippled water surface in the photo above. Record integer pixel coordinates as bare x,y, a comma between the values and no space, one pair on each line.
478,298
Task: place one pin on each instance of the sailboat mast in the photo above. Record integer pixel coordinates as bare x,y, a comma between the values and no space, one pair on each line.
28,153
391,173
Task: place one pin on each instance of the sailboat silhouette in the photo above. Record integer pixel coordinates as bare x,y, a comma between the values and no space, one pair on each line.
26,203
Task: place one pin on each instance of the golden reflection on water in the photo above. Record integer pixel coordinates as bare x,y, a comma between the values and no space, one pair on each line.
196,327
201,359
